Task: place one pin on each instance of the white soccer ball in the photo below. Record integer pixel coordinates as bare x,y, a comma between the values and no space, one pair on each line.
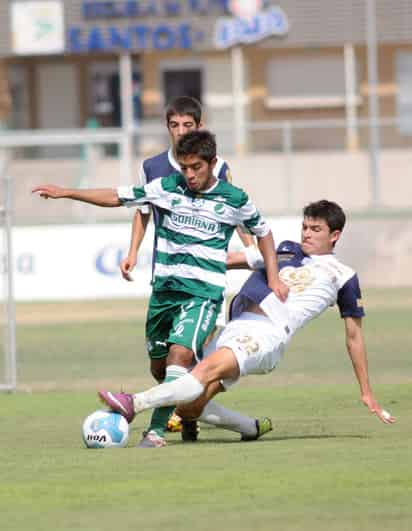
105,429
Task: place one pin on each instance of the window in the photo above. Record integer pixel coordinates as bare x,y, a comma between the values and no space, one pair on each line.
404,99
187,82
19,117
104,93
306,82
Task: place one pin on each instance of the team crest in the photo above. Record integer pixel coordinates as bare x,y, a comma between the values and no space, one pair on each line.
220,209
297,279
175,202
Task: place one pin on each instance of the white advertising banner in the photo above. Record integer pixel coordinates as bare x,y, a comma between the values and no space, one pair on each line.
37,27
82,261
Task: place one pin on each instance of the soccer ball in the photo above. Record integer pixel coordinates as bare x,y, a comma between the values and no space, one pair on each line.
105,429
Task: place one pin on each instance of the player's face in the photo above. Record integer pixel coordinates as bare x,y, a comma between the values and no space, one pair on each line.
180,125
317,238
197,172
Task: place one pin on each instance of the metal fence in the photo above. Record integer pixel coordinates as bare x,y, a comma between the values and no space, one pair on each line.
8,365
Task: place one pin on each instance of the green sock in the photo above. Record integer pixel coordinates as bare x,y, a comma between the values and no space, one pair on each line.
161,415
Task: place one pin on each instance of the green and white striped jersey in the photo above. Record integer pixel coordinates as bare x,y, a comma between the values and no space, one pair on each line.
194,232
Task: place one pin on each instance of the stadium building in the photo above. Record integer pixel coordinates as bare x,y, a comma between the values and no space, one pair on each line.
250,63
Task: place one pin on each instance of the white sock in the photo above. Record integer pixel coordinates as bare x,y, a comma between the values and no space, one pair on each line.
173,372
185,389
222,417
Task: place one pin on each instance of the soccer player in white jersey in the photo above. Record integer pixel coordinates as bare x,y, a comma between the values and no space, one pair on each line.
261,326
183,114
198,214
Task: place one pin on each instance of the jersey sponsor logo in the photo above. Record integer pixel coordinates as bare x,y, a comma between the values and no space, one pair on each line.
200,223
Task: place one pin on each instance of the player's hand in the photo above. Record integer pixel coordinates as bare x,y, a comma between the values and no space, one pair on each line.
49,190
280,290
126,267
374,408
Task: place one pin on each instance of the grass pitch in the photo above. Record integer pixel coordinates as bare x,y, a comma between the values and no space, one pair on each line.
328,464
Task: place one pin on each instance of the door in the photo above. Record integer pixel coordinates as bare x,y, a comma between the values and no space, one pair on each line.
187,82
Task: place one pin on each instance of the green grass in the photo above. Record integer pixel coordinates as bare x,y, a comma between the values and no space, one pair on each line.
328,465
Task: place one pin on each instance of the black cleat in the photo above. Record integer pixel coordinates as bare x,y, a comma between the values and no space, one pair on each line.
190,430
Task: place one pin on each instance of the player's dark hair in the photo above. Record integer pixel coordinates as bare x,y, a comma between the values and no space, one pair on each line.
184,105
201,143
329,211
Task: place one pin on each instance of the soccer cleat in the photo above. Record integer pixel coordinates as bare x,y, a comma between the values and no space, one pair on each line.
120,403
263,425
190,430
174,424
151,439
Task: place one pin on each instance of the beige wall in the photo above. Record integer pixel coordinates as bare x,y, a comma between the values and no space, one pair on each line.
387,92
218,95
276,186
369,243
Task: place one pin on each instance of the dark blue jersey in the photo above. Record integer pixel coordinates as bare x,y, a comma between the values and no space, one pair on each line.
315,282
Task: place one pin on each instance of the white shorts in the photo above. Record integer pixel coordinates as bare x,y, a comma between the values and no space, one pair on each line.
255,341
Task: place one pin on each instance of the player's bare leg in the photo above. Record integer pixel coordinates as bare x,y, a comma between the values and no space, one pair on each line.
178,361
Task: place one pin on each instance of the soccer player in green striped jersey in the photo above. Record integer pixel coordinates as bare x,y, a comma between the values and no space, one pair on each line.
198,217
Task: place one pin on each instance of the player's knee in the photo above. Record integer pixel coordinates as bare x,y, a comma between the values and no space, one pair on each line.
180,355
158,370
158,375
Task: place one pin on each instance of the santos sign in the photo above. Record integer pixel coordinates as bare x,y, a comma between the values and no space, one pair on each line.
252,21
253,28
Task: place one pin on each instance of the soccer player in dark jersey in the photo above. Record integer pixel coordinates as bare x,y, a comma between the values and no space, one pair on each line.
261,326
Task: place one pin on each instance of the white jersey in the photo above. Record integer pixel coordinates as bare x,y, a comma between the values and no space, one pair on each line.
315,282
194,231
313,287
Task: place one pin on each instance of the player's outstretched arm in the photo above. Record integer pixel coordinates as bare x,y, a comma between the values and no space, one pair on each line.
237,260
355,345
139,226
267,248
105,197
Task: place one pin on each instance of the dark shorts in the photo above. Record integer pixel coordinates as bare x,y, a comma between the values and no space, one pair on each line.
181,319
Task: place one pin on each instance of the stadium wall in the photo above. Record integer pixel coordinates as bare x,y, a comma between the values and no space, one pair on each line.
276,183
68,262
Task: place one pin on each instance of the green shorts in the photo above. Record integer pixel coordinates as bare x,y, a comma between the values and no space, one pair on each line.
179,318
